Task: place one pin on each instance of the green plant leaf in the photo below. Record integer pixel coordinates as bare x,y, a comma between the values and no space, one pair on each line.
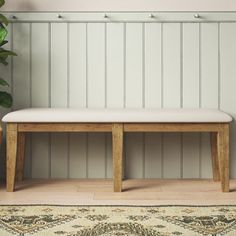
3,19
5,53
2,2
3,56
5,99
3,61
3,43
3,33
3,82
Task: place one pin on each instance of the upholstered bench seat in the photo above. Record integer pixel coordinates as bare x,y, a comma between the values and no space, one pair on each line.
117,121
111,115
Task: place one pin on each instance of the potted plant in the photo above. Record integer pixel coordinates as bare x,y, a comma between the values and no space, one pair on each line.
5,97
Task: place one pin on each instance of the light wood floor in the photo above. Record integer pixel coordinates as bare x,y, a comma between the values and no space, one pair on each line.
100,192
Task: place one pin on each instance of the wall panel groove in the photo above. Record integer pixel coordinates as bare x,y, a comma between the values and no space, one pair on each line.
143,98
96,96
179,63
191,65
49,98
59,89
153,96
39,78
171,96
181,97
219,67
77,95
200,97
86,46
134,96
209,85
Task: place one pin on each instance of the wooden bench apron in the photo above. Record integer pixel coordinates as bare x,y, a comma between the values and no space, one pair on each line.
117,121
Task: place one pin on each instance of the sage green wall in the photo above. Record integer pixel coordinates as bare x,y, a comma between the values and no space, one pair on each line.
124,64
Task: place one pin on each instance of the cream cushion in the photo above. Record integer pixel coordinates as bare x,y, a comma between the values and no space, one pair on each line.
112,115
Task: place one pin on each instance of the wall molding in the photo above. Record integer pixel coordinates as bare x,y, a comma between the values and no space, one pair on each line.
112,16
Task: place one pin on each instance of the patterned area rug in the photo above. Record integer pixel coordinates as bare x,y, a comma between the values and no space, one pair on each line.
47,220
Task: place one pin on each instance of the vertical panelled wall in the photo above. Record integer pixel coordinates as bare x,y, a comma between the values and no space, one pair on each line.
122,64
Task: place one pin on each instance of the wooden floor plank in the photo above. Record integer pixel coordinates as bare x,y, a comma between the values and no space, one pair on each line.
136,192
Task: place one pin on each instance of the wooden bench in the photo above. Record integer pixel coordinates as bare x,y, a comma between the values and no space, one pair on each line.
117,121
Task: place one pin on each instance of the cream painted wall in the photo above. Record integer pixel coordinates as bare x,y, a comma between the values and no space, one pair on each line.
120,5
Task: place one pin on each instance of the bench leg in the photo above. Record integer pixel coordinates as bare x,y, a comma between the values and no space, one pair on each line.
223,153
20,157
214,156
117,150
11,156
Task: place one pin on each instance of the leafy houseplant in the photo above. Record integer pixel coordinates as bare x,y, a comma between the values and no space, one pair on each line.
5,97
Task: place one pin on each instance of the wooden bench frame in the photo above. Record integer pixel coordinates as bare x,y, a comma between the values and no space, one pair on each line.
16,144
